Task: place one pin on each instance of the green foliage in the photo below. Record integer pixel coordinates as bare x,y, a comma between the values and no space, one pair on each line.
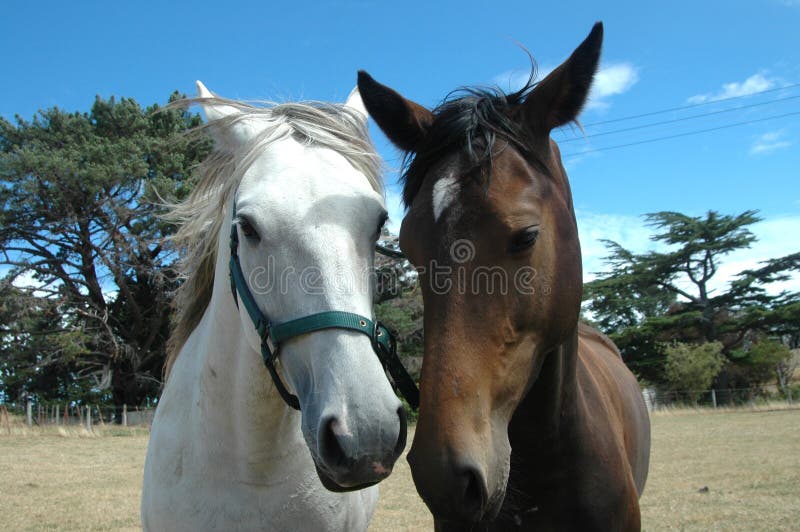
692,368
37,348
767,353
403,315
790,392
79,193
400,309
411,414
664,296
759,363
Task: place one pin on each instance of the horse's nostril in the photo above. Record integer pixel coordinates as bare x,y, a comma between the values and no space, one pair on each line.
330,447
475,495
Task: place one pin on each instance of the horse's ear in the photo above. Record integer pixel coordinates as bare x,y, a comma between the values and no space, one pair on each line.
212,109
403,121
559,97
227,125
355,103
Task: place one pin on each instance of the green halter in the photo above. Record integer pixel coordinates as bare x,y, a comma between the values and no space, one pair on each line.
273,334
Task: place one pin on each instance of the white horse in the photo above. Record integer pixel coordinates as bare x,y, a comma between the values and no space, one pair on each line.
300,184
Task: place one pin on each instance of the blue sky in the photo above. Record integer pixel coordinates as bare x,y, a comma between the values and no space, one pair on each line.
656,56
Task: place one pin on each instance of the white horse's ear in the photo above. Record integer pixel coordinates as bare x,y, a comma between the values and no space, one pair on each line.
229,133
213,110
355,103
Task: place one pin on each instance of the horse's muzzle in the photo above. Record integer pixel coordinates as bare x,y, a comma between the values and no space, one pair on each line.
454,490
345,463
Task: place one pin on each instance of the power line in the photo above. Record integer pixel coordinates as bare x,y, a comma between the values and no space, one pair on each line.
674,120
690,106
685,134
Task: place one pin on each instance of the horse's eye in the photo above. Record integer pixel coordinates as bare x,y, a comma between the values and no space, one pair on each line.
524,239
248,230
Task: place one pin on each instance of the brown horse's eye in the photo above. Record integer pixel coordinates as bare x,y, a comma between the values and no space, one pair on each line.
248,230
523,240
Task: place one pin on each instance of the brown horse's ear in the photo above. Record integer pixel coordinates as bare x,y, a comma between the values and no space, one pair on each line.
403,121
559,97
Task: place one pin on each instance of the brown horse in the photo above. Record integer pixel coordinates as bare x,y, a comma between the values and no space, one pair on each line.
528,419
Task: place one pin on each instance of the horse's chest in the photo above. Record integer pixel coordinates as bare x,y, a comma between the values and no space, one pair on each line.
567,493
217,506
615,510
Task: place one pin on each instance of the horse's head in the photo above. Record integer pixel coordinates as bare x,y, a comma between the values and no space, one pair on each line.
492,230
308,210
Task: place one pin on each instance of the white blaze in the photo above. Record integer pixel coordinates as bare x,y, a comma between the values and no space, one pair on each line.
444,195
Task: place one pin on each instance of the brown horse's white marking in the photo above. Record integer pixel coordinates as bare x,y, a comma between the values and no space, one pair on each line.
445,194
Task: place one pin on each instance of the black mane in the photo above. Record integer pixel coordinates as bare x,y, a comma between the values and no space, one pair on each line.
470,120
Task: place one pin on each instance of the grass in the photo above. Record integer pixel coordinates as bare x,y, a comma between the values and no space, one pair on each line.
748,461
70,479
399,506
57,479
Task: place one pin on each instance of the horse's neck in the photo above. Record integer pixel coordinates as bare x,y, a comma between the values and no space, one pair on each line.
542,431
551,405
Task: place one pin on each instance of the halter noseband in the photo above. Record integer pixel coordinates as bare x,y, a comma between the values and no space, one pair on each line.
273,334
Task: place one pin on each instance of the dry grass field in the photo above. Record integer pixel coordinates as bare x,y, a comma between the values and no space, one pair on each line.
748,461
70,480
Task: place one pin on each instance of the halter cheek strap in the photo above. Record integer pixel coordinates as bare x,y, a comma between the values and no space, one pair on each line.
273,334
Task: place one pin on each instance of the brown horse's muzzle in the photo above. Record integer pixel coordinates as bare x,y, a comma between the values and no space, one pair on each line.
453,489
464,486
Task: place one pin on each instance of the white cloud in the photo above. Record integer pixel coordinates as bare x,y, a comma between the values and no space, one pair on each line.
631,233
772,243
755,83
612,79
770,142
628,231
27,279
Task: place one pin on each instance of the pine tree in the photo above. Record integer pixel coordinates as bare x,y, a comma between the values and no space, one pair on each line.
80,195
647,299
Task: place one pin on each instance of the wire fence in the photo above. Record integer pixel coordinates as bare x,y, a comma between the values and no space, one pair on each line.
657,399
43,414
86,416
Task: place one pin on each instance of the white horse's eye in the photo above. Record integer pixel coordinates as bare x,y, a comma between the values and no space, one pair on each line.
248,230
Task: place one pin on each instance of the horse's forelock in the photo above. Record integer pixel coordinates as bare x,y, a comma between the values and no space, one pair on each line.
469,121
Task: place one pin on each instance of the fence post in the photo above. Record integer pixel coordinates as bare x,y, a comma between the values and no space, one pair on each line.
29,413
714,397
88,418
124,415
